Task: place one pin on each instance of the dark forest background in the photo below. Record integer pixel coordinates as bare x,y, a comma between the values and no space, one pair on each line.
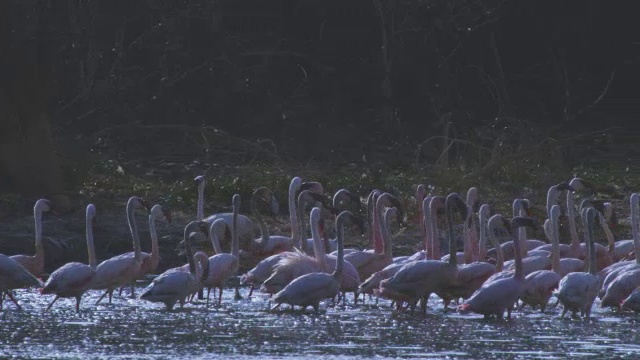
409,82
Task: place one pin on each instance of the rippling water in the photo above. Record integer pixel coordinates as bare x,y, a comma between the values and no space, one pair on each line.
240,329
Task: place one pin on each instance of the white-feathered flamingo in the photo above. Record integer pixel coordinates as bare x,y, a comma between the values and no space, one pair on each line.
611,272
245,224
151,260
310,289
35,264
125,268
258,274
221,266
74,279
416,280
14,276
578,290
175,285
495,297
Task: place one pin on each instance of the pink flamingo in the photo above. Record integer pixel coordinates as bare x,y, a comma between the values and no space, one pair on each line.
295,264
578,290
579,250
125,268
74,279
495,297
310,289
175,285
151,260
35,264
368,262
539,285
371,284
418,279
264,268
470,276
221,266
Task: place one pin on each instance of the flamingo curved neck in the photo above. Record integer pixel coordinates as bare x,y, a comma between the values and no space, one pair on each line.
235,236
155,249
573,229
492,225
37,216
378,241
426,221
264,231
453,259
91,251
482,224
304,245
435,239
133,227
519,273
466,239
200,209
593,265
635,222
337,273
318,245
371,222
383,224
555,241
293,214
386,234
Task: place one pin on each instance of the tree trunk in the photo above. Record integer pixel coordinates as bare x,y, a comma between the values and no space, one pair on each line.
28,160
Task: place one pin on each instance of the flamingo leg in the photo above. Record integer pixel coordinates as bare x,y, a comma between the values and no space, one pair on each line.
133,290
78,298
209,293
238,296
220,296
102,297
54,300
10,295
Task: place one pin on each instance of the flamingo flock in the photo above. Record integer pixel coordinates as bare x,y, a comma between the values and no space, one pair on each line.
303,271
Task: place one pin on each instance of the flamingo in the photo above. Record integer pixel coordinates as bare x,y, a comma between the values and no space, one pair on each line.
540,284
614,270
418,279
297,263
310,289
35,264
342,195
470,276
495,297
221,266
14,276
371,284
74,279
264,268
603,254
578,290
125,268
245,224
632,302
151,260
623,247
520,207
368,262
174,285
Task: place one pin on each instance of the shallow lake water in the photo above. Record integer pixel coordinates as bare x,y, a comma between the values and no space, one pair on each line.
132,329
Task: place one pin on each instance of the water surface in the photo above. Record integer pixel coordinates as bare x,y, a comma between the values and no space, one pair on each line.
130,328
